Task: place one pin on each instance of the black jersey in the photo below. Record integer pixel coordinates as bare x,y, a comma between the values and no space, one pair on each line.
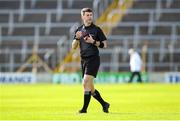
88,49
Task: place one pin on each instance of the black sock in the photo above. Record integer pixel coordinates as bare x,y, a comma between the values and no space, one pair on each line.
87,98
98,97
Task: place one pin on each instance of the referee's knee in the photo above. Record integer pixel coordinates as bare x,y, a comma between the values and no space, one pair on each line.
87,85
85,82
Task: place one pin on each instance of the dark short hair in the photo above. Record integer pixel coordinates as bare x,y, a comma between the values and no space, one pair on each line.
85,10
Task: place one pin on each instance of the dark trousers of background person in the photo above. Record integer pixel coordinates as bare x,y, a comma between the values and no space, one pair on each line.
135,74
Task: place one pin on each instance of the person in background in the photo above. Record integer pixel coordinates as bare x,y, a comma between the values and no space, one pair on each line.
135,65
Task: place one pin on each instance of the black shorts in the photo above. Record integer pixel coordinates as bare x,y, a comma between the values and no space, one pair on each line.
90,65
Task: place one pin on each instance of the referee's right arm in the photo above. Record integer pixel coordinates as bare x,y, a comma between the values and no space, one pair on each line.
75,43
76,40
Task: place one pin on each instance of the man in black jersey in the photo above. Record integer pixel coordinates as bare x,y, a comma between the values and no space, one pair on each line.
89,37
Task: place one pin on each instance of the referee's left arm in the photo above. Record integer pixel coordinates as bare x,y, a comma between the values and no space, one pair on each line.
100,44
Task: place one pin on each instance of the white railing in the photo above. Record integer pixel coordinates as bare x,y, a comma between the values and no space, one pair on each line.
59,10
24,50
96,8
43,39
99,7
10,23
10,65
21,10
0,35
33,3
48,23
114,64
73,29
62,48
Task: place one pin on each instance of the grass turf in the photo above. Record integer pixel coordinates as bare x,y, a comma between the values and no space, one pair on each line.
61,102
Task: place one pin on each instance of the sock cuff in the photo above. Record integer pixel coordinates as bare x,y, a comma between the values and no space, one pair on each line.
87,93
95,92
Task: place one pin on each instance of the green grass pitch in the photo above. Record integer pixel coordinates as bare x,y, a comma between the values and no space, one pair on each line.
61,102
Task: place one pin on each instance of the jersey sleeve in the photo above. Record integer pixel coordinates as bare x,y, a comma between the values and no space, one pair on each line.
101,36
74,35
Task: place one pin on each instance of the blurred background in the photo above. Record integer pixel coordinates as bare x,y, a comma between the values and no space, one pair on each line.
36,37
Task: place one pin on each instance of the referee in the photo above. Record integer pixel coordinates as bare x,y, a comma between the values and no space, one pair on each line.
90,37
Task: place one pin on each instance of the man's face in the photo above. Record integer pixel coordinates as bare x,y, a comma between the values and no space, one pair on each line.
87,17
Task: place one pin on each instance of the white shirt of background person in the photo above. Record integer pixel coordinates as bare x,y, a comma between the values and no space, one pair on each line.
135,61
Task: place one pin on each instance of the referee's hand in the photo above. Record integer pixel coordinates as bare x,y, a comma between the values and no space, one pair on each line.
78,34
89,39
